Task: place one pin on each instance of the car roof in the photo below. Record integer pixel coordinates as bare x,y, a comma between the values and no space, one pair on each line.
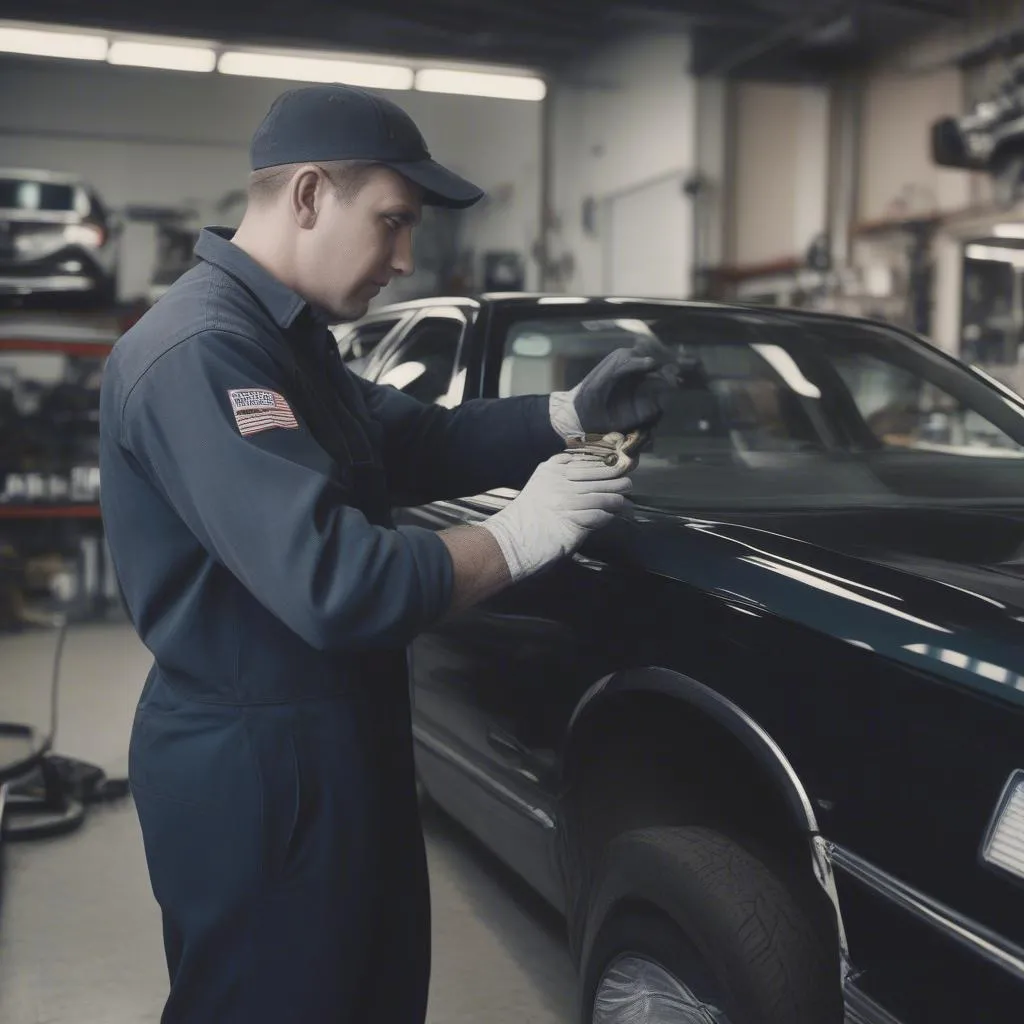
514,300
531,298
36,174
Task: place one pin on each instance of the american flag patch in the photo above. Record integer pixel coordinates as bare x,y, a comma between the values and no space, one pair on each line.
258,409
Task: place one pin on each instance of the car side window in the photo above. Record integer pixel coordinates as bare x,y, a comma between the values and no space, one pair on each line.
905,412
359,341
424,367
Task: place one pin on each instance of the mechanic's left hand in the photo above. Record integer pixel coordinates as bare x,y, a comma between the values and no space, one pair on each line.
626,391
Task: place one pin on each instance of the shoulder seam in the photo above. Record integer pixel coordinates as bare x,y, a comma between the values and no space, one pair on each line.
181,341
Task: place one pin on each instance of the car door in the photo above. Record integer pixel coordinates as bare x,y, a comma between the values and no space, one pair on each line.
496,686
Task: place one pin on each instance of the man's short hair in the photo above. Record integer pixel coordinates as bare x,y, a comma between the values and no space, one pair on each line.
348,177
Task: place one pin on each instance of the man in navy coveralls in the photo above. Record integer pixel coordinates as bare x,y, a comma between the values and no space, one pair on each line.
248,481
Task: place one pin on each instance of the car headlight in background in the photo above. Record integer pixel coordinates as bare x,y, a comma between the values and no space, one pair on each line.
89,235
36,244
1004,844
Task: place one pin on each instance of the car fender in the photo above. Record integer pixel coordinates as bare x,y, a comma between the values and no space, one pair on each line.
667,682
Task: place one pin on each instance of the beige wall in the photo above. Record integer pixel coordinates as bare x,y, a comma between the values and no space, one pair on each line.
780,171
896,170
623,137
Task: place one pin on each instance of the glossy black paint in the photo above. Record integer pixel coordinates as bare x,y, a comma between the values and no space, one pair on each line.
881,650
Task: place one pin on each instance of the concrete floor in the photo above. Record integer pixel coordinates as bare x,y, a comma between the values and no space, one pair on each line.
80,932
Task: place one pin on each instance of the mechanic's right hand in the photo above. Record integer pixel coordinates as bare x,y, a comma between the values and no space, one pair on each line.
567,498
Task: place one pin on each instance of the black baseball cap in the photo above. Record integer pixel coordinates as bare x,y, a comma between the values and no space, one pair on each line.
321,123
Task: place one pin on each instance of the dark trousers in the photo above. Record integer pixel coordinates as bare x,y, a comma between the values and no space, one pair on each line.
285,850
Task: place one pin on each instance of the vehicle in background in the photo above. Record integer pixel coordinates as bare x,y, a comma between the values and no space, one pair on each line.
58,241
761,740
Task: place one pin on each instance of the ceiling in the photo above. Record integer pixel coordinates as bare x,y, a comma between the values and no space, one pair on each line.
750,38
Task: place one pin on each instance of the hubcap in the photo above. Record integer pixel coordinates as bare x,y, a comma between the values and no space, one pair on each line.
635,990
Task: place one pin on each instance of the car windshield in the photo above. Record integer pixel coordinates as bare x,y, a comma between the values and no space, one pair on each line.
26,194
787,411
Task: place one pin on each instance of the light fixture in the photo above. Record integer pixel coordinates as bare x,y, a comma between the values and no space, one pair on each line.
476,83
998,253
1004,844
167,56
315,69
42,43
1009,231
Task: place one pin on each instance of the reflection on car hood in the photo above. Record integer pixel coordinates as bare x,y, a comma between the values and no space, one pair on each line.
939,589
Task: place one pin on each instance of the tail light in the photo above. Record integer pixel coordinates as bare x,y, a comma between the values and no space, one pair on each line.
88,234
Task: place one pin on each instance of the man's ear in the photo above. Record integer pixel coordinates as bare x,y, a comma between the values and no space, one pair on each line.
304,195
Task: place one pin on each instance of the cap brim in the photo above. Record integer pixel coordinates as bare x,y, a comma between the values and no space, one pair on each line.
441,187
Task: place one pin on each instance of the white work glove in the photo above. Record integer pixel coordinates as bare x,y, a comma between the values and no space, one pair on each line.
567,498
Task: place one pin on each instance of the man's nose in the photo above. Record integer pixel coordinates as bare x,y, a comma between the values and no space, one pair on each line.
402,262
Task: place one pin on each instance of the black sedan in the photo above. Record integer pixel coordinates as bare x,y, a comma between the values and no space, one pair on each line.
762,739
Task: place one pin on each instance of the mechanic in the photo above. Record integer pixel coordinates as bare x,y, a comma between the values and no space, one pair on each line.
248,481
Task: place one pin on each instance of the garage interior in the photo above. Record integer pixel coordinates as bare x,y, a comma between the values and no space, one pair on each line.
842,157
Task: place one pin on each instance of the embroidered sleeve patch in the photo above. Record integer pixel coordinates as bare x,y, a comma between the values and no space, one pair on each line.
259,409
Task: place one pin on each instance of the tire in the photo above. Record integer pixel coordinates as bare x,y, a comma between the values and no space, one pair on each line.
695,904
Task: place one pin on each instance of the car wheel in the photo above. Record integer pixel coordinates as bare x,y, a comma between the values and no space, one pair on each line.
685,926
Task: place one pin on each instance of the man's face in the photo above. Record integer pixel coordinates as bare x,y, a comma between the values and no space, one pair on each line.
357,245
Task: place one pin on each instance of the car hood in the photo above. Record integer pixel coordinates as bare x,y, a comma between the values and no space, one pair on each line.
939,589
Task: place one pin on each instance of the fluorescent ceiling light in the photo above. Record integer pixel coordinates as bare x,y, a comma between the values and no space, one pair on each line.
1009,231
996,253
475,83
315,69
159,55
40,43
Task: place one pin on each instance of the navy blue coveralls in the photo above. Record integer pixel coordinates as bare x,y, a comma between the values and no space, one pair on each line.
247,485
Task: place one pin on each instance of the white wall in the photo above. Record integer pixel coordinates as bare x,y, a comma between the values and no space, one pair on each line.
781,170
623,137
165,137
712,159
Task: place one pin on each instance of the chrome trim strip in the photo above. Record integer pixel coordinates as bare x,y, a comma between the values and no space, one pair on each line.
458,511
536,814
976,937
862,1009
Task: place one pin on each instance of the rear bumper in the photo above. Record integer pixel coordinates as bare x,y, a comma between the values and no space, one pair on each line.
65,284
921,960
69,271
